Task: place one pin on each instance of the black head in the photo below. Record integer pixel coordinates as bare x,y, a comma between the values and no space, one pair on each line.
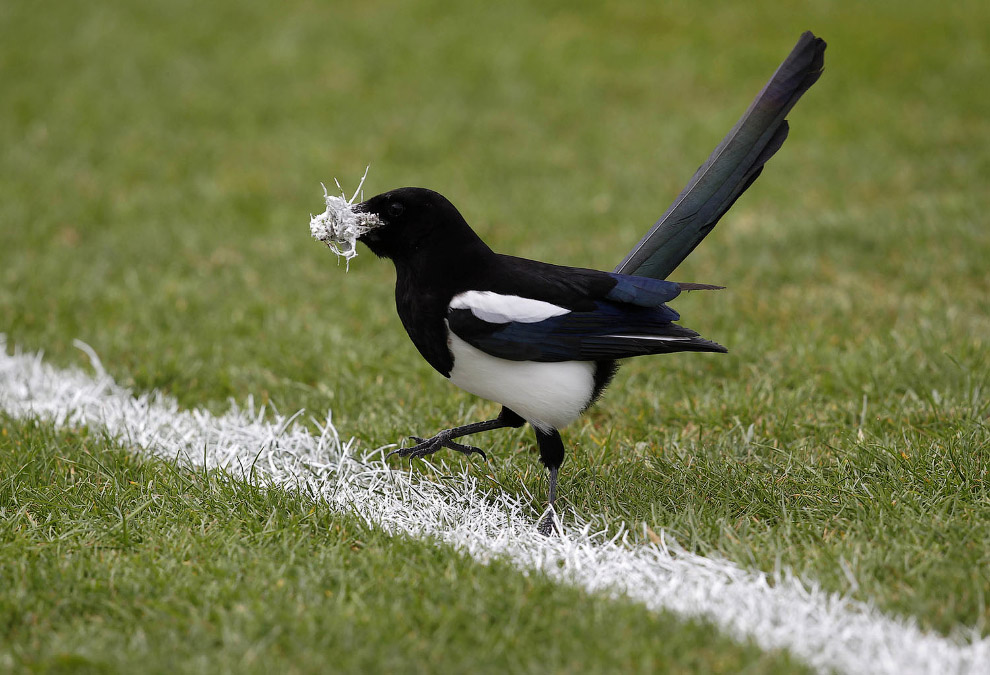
414,220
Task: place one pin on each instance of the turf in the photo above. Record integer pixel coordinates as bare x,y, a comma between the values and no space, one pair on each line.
114,564
159,161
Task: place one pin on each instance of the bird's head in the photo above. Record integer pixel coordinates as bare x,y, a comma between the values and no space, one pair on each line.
413,220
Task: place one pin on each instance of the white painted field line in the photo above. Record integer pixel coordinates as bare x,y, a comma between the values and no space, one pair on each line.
823,629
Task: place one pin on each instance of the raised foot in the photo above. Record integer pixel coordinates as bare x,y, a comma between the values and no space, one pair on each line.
427,446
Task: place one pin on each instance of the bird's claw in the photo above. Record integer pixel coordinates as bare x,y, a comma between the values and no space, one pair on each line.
423,448
466,449
548,526
427,446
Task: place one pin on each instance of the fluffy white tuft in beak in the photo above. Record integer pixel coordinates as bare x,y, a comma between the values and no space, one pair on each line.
340,225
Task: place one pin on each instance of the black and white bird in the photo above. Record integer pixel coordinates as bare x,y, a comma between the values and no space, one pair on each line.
544,340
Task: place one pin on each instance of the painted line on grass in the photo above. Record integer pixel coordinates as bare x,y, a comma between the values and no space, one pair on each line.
776,611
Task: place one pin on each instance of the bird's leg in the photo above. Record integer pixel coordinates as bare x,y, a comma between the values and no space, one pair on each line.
553,484
548,525
552,456
445,439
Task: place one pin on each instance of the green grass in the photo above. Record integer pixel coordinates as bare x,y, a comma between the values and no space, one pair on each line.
158,162
114,564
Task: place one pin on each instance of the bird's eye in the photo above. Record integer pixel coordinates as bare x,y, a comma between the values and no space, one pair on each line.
395,209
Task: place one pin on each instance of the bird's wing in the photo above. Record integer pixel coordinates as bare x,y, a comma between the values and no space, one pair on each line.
519,328
731,168
647,292
577,288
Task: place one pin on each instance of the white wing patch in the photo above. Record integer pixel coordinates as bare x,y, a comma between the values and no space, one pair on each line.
497,308
658,338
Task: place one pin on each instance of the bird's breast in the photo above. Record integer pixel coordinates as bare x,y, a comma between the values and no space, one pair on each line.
422,314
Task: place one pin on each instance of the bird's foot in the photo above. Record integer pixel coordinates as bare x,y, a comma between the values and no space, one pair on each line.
548,526
427,446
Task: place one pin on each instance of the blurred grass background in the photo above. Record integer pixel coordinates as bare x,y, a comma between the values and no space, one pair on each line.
159,161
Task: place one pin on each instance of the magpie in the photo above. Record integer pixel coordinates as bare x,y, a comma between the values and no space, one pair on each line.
544,340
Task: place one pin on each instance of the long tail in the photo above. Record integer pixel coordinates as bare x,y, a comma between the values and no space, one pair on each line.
731,168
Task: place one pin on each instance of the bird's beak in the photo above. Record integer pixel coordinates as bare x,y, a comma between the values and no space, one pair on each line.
372,224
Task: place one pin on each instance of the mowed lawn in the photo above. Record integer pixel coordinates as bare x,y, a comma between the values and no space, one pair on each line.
158,165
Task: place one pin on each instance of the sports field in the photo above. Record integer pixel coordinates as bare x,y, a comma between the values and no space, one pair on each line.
158,165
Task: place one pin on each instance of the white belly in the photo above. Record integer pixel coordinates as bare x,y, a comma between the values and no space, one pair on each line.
544,394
